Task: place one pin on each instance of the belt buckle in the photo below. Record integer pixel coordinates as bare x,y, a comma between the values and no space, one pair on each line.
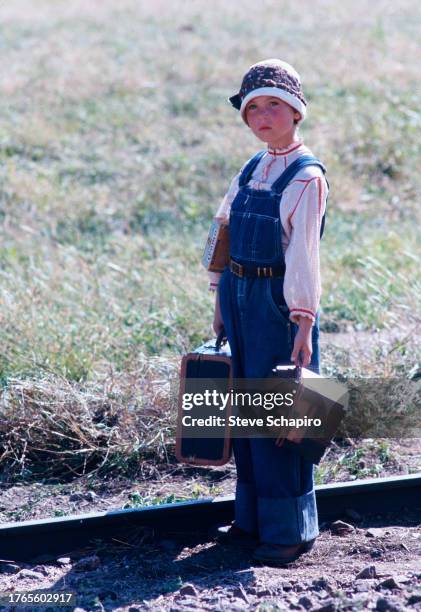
237,268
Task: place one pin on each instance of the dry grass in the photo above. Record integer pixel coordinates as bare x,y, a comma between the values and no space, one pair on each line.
51,428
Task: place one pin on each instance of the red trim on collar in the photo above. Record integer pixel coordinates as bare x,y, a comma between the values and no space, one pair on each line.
283,152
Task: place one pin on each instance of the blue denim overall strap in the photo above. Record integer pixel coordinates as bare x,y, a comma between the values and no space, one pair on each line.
286,177
249,168
301,162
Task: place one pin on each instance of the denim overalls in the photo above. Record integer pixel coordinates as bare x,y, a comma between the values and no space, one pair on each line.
274,492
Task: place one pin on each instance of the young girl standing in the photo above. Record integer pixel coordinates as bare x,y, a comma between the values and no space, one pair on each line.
267,300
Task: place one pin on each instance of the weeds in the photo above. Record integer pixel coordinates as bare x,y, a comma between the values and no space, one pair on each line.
351,462
197,491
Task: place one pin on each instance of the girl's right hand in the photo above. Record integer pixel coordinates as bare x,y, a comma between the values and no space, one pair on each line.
303,343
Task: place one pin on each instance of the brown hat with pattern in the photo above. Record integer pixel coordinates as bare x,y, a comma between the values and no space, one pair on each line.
271,77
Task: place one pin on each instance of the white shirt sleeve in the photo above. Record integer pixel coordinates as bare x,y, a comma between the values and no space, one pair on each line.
302,207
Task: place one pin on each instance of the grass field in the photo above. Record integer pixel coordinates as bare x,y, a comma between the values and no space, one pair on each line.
117,144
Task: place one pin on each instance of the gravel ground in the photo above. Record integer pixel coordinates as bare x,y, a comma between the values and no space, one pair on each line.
370,564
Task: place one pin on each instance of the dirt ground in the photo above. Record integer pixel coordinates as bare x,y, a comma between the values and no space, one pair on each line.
375,565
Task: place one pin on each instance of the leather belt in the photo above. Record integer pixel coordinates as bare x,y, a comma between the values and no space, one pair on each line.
256,271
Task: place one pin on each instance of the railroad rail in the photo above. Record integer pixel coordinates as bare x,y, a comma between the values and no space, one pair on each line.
48,538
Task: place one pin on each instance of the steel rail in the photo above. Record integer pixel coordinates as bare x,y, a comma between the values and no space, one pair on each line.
49,538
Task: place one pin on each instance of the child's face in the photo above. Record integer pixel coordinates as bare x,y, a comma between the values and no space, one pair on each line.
271,120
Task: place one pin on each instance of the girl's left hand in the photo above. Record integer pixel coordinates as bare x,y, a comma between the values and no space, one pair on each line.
302,343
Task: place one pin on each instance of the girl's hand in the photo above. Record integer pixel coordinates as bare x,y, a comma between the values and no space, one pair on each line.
302,343
218,323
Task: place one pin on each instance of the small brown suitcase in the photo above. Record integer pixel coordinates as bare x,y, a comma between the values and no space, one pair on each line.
216,253
317,397
209,362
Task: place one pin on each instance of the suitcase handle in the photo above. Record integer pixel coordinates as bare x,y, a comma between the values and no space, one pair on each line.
221,339
294,373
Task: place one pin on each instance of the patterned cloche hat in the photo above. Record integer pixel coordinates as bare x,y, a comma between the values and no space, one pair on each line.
271,77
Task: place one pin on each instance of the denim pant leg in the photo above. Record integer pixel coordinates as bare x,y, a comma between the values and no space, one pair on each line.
286,504
245,490
245,493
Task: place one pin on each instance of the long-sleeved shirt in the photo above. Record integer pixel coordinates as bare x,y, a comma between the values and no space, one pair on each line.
301,209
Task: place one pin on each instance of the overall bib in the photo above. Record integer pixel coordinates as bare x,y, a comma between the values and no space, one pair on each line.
274,492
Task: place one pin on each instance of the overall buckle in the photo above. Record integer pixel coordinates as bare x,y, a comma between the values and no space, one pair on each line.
264,271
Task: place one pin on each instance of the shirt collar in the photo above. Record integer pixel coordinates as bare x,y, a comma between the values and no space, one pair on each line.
289,149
